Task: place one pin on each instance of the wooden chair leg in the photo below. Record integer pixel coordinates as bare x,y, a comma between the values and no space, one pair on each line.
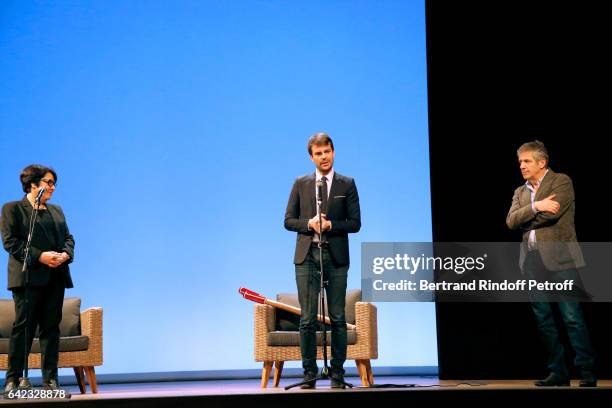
369,371
265,373
363,373
90,372
80,376
278,370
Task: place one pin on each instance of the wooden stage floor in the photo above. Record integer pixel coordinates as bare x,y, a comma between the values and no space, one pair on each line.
405,389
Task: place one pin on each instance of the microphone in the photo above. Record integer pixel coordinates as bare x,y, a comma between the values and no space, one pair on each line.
320,191
39,195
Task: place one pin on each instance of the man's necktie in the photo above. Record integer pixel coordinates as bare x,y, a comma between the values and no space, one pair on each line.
324,198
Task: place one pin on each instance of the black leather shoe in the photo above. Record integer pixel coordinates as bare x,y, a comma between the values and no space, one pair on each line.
587,379
311,384
337,381
11,385
553,380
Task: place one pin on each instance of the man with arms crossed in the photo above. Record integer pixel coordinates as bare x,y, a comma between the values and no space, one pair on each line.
543,209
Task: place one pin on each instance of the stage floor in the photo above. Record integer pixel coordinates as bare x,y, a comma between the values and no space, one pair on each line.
239,392
249,387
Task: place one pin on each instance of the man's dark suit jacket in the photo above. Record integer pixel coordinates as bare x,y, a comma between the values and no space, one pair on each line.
342,210
15,225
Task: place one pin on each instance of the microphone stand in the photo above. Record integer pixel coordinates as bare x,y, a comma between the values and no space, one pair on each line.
325,372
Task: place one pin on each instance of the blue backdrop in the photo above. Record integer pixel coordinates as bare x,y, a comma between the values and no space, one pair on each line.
177,129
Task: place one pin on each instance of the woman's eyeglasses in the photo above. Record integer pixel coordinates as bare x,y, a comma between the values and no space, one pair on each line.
49,182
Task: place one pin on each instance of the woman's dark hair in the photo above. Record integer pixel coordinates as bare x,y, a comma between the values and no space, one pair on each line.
32,174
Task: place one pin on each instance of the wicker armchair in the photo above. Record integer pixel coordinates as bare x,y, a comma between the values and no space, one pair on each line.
269,348
83,359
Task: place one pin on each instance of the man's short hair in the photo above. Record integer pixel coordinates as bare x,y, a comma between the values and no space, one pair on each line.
33,174
537,148
319,139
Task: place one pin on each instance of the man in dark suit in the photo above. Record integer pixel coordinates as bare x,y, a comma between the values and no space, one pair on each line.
340,216
51,251
543,209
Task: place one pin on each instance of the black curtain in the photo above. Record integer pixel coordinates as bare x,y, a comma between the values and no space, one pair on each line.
500,74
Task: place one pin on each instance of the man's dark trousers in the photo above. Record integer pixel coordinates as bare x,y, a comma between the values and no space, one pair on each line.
308,283
571,313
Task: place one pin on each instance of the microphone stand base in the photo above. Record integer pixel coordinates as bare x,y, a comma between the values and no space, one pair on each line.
323,376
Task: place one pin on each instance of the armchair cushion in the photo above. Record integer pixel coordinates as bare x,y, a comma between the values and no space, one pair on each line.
70,325
286,321
72,343
292,338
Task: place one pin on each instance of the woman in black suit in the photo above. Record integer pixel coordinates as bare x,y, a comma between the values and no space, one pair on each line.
51,251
